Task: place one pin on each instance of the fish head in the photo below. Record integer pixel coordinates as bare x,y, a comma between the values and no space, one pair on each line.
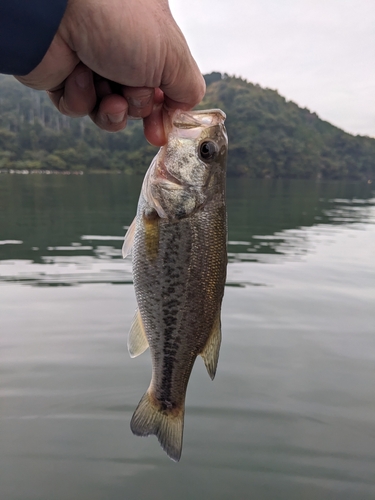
190,169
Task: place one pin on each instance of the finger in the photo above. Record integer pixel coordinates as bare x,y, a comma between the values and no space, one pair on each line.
102,86
153,125
77,95
140,100
111,113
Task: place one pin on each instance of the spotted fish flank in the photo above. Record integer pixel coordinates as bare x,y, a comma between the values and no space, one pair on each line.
178,242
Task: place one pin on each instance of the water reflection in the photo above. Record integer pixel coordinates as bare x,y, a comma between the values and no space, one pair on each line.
57,230
291,412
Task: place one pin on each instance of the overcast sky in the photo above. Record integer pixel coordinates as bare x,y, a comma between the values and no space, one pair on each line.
317,53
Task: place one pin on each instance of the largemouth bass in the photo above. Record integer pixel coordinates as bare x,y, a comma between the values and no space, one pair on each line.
178,242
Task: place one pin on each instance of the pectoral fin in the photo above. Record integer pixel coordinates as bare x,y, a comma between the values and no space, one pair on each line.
137,340
210,353
129,239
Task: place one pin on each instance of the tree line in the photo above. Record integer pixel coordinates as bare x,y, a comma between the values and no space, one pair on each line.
268,136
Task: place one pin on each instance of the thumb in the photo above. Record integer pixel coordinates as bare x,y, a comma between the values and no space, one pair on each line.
182,82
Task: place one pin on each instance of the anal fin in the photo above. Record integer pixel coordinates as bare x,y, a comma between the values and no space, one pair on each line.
210,353
137,340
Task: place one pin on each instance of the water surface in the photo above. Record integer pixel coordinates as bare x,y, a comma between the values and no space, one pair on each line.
291,413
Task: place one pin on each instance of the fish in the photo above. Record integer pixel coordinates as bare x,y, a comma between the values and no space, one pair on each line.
178,242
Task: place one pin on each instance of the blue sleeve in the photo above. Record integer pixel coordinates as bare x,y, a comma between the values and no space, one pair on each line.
27,28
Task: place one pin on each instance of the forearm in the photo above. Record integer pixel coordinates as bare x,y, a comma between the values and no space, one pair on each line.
27,28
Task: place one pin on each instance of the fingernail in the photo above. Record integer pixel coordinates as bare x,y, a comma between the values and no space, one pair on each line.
83,80
116,117
141,102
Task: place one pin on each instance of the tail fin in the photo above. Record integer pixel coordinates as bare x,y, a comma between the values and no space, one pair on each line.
167,426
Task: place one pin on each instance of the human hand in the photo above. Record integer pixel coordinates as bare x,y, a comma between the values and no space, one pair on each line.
135,43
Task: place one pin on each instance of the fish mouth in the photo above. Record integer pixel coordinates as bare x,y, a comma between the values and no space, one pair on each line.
197,119
191,123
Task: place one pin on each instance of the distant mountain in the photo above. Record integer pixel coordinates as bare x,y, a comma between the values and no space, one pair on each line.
271,137
268,136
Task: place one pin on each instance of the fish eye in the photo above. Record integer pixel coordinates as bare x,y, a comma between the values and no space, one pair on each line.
207,150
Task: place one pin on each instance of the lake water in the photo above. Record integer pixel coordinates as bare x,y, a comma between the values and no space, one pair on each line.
291,413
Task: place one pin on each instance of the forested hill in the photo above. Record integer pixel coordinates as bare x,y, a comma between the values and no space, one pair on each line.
269,137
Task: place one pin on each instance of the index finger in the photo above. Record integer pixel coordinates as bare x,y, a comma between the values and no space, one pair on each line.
153,124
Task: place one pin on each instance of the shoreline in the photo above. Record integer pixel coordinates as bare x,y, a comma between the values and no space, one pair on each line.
119,172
